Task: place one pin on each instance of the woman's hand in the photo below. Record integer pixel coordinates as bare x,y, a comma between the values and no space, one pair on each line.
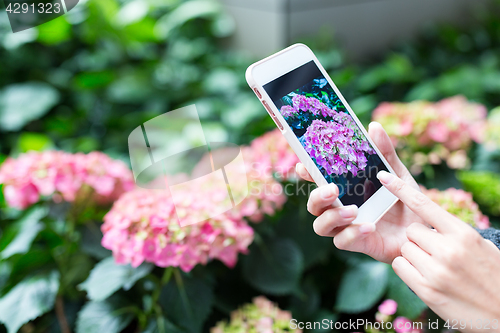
383,240
451,268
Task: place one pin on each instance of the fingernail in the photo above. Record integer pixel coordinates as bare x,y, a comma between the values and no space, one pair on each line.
374,123
367,228
385,177
329,192
348,211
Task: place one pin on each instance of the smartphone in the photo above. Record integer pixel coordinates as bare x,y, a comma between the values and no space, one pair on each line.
322,129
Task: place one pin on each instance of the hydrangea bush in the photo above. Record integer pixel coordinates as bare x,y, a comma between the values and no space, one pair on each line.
142,229
270,154
63,177
143,226
260,316
459,203
426,133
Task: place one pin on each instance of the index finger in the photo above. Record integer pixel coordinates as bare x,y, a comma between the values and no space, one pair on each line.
418,202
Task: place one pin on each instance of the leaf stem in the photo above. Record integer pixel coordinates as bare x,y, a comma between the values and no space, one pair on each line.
167,274
61,317
182,291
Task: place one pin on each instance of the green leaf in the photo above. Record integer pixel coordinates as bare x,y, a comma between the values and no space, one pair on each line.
108,276
362,286
22,103
55,31
74,273
223,26
396,68
409,305
274,266
243,113
27,229
426,90
142,31
307,303
296,223
187,11
5,271
94,80
131,87
91,242
29,299
187,301
485,187
104,316
36,259
486,159
161,325
321,316
34,141
363,106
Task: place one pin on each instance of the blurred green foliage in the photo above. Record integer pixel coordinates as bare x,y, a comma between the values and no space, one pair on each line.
485,187
84,81
443,61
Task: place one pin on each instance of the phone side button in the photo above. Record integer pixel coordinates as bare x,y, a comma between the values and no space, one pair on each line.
267,108
276,120
257,92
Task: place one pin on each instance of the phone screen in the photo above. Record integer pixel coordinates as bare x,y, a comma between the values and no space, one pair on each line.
328,133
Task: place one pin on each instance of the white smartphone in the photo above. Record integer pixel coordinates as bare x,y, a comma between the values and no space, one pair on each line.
322,129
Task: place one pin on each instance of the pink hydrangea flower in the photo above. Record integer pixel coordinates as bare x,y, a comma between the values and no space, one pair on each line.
429,133
388,307
270,154
459,203
143,226
492,136
261,316
21,196
63,176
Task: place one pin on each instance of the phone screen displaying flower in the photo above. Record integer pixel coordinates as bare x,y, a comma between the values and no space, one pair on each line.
328,133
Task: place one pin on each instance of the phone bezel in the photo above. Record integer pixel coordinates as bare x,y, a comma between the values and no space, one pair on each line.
281,63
